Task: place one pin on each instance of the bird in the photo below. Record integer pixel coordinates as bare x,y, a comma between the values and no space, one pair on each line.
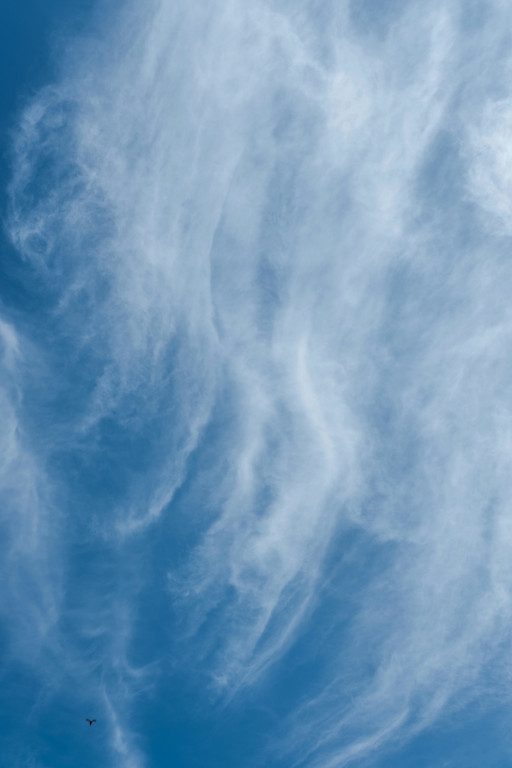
90,721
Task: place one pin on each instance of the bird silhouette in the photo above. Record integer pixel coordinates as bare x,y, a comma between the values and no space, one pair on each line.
90,721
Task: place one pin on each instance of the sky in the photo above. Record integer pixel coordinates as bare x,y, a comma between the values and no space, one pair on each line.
256,383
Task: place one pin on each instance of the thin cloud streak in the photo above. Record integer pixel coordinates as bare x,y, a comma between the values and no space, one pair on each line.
31,591
240,219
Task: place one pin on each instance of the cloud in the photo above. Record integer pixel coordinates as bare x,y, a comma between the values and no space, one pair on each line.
122,743
278,305
30,578
490,175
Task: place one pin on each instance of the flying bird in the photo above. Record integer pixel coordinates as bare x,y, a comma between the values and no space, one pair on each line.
90,721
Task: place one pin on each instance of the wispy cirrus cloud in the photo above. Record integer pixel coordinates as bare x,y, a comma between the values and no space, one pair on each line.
31,577
256,228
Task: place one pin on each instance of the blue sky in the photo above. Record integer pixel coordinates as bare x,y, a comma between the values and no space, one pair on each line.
256,390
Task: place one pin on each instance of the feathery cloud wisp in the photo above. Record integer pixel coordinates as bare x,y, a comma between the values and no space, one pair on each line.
256,229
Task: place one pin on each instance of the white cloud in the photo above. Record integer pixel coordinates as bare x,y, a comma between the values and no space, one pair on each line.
490,174
234,220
